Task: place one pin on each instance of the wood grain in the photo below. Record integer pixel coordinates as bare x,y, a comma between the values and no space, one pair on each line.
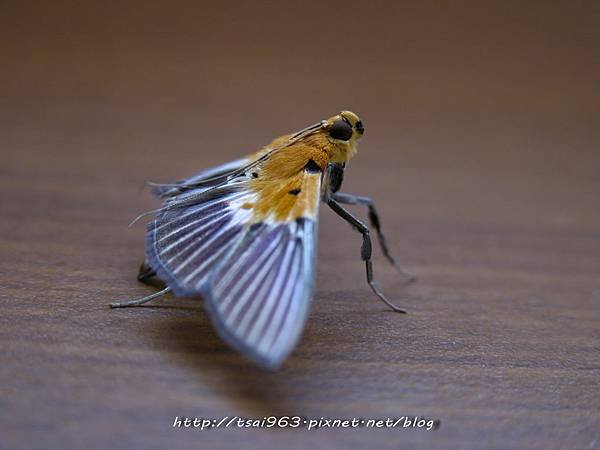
481,149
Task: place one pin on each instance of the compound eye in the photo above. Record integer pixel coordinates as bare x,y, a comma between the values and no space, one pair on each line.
360,127
340,129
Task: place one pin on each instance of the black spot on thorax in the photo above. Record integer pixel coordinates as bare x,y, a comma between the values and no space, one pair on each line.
312,167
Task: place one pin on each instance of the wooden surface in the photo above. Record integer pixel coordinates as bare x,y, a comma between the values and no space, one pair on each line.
481,148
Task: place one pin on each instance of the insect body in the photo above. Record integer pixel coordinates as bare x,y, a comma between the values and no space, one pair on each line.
243,236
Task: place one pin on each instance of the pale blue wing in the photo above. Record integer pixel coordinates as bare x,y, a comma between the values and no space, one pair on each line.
259,296
203,179
257,278
184,243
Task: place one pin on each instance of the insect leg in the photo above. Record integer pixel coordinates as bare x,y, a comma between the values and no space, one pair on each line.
140,301
366,248
351,199
146,273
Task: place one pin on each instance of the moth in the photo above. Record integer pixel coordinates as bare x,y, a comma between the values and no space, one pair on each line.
243,236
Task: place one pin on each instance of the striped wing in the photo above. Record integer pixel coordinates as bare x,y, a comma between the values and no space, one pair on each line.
248,247
201,180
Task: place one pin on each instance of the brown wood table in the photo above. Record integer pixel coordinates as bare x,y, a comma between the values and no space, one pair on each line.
481,149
